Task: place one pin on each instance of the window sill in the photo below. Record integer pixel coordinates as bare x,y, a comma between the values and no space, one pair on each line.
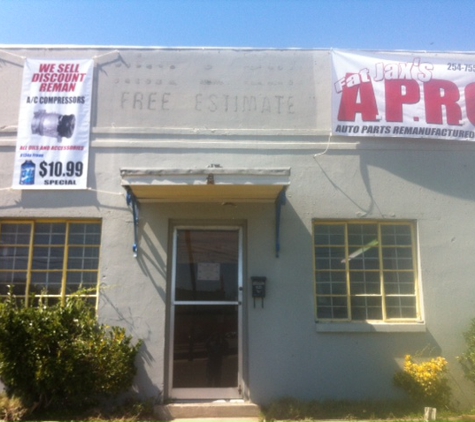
370,327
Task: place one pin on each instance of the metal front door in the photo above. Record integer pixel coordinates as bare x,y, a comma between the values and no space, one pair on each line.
205,345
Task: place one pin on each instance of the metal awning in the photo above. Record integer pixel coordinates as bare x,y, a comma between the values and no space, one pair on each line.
212,185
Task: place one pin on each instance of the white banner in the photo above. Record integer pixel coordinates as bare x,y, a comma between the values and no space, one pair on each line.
53,128
406,95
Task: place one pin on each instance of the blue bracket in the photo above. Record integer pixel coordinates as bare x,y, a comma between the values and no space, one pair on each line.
281,200
133,203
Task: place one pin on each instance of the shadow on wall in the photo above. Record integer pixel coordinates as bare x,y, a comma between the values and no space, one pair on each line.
372,359
447,168
294,359
144,387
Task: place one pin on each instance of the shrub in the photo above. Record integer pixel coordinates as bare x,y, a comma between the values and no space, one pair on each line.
60,356
11,408
467,359
425,383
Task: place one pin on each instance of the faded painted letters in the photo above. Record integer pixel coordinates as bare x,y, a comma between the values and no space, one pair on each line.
209,103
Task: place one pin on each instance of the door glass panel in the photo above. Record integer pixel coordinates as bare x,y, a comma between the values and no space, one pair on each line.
206,331
207,265
205,346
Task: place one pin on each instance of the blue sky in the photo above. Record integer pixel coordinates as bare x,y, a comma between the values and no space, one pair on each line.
434,25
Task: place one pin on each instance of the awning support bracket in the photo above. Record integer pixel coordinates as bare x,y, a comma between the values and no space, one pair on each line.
133,203
281,200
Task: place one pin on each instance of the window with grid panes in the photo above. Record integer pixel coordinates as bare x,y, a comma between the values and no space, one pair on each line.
49,258
365,271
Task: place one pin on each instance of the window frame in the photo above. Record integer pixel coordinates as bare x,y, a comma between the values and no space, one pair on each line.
65,269
369,324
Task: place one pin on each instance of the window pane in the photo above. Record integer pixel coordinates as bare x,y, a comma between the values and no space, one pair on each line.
399,282
46,282
364,259
330,258
15,279
362,234
332,307
48,258
331,276
50,233
331,282
86,258
395,258
81,279
13,258
396,235
365,282
330,263
401,307
15,234
331,288
329,234
366,307
84,234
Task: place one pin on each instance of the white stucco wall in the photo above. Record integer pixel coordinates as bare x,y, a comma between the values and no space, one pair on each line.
179,108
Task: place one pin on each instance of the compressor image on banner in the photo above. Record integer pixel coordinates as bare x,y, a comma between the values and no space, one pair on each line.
53,125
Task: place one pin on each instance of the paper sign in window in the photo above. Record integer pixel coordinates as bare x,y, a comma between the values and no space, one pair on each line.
208,271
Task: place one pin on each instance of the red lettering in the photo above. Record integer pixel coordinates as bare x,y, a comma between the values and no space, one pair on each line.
350,107
47,67
398,93
439,94
470,102
70,67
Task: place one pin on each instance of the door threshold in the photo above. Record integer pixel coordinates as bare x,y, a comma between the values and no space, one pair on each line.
206,401
198,410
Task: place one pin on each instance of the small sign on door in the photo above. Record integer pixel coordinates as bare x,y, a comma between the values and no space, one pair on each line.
208,271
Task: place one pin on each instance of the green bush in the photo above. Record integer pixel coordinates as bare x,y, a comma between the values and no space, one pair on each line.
467,359
60,356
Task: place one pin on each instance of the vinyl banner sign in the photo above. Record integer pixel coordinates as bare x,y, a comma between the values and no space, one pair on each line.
53,128
406,95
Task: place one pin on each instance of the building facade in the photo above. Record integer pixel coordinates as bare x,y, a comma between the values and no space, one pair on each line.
257,217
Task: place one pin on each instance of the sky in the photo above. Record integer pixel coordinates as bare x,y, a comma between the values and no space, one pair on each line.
432,25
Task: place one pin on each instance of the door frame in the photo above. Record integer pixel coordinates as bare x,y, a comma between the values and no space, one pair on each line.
205,392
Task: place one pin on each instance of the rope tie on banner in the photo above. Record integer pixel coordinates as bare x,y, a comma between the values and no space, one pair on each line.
10,55
99,58
15,57
89,189
105,191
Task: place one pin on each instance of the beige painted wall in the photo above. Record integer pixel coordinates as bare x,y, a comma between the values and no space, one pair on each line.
189,108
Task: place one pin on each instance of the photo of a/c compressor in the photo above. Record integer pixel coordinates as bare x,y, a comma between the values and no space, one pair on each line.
53,125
